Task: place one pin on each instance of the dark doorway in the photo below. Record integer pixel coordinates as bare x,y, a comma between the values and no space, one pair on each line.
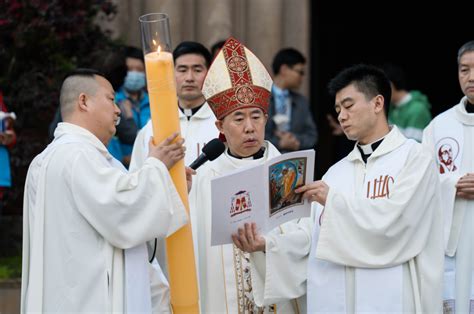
424,41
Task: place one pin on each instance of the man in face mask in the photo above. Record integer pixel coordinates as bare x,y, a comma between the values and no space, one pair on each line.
132,99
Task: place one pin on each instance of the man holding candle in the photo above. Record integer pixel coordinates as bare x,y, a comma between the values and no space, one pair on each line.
82,209
237,88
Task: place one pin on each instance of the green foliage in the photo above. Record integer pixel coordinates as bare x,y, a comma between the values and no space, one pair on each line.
10,267
41,41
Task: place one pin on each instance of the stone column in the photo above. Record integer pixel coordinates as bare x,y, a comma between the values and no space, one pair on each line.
263,33
213,20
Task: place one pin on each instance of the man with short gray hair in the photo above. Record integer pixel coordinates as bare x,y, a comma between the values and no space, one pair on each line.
450,138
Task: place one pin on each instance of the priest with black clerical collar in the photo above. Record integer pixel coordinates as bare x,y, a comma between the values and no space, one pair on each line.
237,88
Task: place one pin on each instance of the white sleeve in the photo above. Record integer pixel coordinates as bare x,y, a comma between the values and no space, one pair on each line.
140,150
452,218
383,232
280,273
127,209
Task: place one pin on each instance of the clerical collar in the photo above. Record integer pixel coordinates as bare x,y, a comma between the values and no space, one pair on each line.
190,112
469,107
368,149
257,155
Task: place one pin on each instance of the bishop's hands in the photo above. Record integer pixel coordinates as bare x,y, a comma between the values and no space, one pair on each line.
248,239
465,186
170,151
316,191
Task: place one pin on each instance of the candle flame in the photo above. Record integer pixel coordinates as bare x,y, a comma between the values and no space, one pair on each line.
159,49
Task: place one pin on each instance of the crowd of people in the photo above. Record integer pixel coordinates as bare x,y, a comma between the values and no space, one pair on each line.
391,228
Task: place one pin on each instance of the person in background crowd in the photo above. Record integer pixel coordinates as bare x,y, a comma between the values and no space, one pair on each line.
291,126
409,110
7,141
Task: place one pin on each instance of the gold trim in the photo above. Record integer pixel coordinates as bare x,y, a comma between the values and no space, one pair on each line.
297,306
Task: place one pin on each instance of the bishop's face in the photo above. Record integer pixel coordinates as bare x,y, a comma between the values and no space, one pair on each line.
244,130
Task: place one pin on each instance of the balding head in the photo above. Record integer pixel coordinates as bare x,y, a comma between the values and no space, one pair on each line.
87,100
80,81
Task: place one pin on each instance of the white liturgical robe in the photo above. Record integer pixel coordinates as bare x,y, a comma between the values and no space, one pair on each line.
225,283
81,211
377,247
197,131
450,139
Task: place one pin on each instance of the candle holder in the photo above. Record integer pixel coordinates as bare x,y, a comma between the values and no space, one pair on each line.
161,84
155,32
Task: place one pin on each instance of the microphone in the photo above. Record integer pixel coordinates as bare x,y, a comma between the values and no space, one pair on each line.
210,151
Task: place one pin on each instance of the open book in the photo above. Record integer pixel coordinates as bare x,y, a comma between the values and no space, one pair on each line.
264,194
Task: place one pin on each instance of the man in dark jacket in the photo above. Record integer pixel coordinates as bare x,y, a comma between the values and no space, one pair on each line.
290,126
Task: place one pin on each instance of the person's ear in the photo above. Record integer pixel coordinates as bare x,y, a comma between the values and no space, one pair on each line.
219,126
379,103
82,100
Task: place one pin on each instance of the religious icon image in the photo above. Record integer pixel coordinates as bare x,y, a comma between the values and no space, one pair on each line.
447,149
284,177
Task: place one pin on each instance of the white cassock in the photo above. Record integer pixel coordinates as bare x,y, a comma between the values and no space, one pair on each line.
378,244
224,274
450,139
81,211
196,131
280,274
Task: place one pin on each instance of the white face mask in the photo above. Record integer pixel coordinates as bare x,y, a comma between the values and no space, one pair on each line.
134,81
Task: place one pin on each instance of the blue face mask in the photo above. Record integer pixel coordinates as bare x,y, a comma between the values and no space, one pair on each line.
134,81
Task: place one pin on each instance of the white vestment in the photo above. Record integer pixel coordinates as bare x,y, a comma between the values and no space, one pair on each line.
196,131
81,211
225,282
452,133
378,244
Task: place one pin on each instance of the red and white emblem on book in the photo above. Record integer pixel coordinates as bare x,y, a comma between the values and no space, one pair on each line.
240,203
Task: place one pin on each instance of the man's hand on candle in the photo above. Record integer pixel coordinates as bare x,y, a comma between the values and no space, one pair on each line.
189,177
248,239
167,151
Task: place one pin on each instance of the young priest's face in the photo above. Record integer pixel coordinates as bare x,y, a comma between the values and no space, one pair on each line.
244,130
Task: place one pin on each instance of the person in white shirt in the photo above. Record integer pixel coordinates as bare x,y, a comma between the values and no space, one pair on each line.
377,242
82,210
450,138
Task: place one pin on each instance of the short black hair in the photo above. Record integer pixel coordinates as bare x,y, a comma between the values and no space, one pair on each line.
368,79
192,47
134,52
396,75
288,56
